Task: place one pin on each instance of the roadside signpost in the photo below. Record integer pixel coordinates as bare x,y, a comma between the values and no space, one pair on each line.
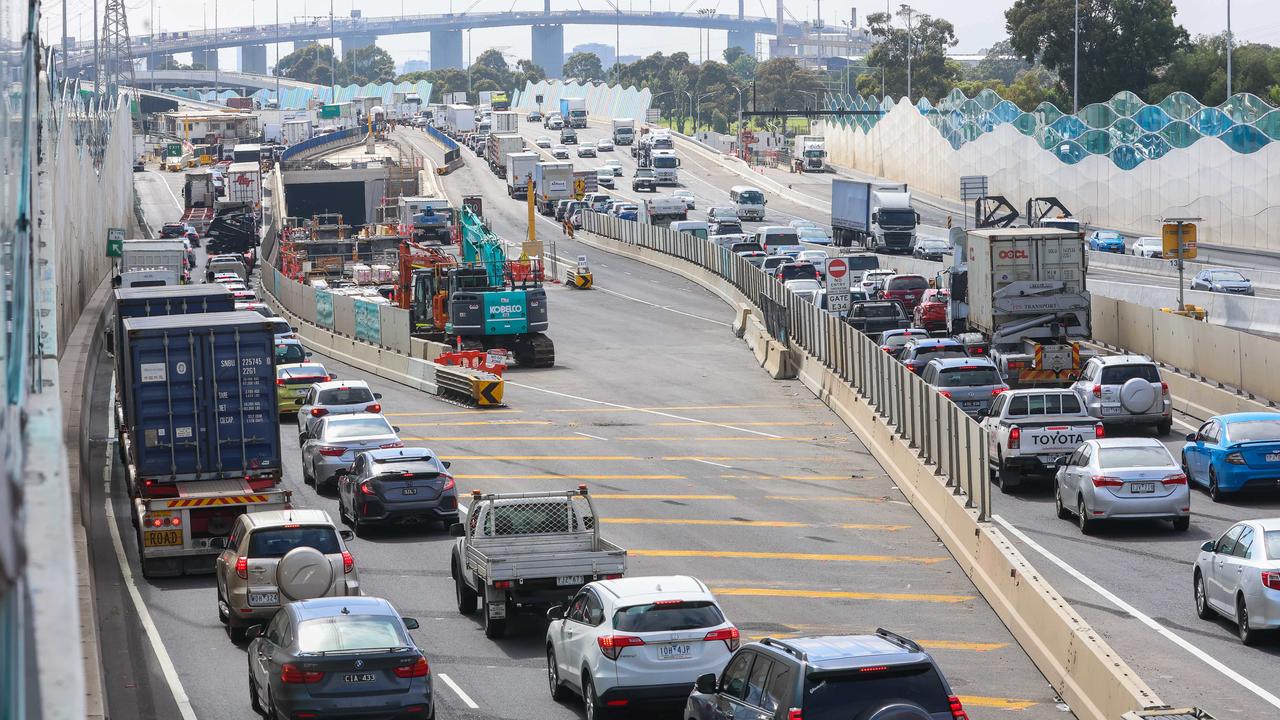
115,242
838,285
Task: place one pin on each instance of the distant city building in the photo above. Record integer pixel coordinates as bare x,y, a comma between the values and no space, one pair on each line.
819,44
602,51
415,66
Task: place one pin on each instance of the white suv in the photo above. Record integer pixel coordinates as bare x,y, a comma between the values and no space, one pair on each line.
1125,390
636,641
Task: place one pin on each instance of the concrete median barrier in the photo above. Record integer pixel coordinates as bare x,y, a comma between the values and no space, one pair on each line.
1080,665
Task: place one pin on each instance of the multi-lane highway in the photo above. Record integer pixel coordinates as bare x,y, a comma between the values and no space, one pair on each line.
699,463
1132,582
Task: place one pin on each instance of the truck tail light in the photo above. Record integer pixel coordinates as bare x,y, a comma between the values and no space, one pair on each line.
348,563
502,584
957,709
242,567
292,675
612,645
997,390
319,412
729,635
154,522
175,521
1101,481
419,668
332,451
1015,438
1178,479
945,393
795,714
1099,431
1271,579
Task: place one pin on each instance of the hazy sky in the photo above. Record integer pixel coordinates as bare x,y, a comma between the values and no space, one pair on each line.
978,23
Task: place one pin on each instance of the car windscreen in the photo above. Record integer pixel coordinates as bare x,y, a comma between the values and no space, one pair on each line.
879,310
899,340
781,238
751,197
344,396
1121,457
667,616
841,697
290,353
281,327
342,428
968,377
1254,431
909,282
938,353
1226,276
314,373
350,632
274,542
1120,374
791,272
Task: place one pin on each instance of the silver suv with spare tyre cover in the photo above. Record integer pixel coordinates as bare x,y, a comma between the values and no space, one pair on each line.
1125,390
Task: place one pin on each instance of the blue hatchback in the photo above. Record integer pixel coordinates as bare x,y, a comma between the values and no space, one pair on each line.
1106,241
1231,452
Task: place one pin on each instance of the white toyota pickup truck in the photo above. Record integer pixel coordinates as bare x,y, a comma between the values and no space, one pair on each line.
1027,430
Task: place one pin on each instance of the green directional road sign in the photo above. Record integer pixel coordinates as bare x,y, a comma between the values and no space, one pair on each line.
115,242
173,150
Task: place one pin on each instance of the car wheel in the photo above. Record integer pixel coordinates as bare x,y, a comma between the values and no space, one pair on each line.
222,612
361,528
558,692
1164,427
1248,635
590,702
1063,512
1214,493
1182,524
1009,481
235,630
342,511
465,595
1203,610
253,695
1087,526
307,478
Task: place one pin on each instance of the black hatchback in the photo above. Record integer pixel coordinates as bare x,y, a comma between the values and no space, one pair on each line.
397,485
834,677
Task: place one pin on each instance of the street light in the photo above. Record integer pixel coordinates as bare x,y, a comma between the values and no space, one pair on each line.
1230,43
697,118
814,94
1075,66
907,11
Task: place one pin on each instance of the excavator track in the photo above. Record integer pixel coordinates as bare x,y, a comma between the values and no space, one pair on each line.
542,351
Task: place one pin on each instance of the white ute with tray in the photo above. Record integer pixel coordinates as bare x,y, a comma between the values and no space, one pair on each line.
528,550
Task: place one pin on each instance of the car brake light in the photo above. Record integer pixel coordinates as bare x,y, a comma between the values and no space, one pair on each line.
1101,481
1164,388
1097,391
332,451
1271,579
280,381
1178,479
945,393
396,444
1099,431
729,635
996,391
957,709
292,675
449,484
1234,458
419,668
1015,437
366,488
873,668
668,602
319,412
612,645
886,348
795,714
348,562
374,408
242,567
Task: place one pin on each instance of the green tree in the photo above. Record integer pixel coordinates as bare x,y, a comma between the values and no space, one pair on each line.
714,92
417,76
527,72
1001,63
784,83
1123,43
447,81
366,65
583,66
679,82
311,63
1201,70
932,74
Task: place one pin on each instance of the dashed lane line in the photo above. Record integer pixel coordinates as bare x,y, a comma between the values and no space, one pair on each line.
471,412
664,496
595,458
760,555
826,498
840,595
463,696
511,438
709,462
588,435
553,476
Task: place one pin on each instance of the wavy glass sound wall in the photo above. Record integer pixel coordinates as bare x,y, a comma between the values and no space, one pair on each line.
1124,128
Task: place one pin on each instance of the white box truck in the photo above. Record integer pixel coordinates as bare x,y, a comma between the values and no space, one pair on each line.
505,122
146,262
811,151
1023,291
460,118
624,131
553,182
518,172
574,111
500,146
877,216
244,185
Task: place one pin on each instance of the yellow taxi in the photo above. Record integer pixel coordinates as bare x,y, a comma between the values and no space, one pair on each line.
294,380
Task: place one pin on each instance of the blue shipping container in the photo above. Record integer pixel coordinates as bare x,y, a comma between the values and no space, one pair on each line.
203,396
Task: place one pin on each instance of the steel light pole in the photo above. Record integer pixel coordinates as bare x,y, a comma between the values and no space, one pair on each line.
1230,43
1075,66
698,112
907,11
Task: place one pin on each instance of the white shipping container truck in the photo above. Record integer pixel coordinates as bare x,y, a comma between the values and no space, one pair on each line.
460,118
519,170
244,184
500,146
505,122
151,262
553,181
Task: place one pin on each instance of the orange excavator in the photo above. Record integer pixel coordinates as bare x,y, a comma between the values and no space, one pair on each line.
414,259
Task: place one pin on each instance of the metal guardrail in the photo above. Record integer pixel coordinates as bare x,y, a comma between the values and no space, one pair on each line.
342,137
933,426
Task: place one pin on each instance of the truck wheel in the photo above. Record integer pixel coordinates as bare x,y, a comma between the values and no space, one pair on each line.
235,631
1009,480
466,596
494,628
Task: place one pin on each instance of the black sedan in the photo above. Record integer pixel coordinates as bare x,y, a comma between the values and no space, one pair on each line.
339,657
931,249
397,485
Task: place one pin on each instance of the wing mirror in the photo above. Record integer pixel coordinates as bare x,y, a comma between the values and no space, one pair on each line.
446,464
1191,437
706,684
457,530
346,535
410,623
218,543
253,631
555,612
377,396
396,428
1061,460
1208,546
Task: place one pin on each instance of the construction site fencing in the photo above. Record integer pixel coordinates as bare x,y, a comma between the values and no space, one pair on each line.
372,322
322,143
933,426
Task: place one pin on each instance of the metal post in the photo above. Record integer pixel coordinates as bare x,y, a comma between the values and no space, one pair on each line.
97,61
1182,307
333,52
276,69
1230,43
1075,66
217,77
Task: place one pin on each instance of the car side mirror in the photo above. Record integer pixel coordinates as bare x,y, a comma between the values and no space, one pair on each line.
706,684
377,396
1208,546
253,631
218,543
1191,437
456,530
333,376
1061,460
396,428
293,328
410,623
447,464
309,355
341,471
346,535
555,612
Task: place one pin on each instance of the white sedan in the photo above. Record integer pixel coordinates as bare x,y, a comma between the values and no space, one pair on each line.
605,145
560,152
586,150
543,142
1237,576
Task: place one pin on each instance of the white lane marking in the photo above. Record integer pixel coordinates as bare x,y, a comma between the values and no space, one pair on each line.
708,462
1186,425
1141,617
165,183
454,687
593,437
144,615
662,307
644,410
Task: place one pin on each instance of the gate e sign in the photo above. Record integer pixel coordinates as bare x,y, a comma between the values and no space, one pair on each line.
837,285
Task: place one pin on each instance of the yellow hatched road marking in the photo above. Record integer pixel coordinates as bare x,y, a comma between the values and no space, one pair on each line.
825,477
996,702
630,496
931,644
570,477
841,595
758,555
749,523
